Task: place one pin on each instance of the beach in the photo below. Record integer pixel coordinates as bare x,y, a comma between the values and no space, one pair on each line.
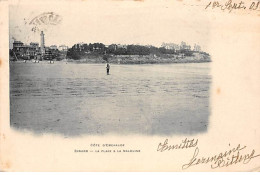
72,99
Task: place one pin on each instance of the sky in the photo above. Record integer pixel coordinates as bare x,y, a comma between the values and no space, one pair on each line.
119,22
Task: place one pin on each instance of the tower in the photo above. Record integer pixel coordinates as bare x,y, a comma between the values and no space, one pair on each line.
42,43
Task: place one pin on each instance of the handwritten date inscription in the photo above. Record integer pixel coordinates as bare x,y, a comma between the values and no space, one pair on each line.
230,5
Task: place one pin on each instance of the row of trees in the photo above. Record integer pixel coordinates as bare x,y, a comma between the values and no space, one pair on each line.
79,50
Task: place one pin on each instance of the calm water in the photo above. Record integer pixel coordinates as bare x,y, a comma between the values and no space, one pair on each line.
75,99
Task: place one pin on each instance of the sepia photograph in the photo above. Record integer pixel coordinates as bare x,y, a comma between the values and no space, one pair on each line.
110,78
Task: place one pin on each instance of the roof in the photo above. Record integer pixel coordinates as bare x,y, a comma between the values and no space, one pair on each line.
18,42
24,46
63,46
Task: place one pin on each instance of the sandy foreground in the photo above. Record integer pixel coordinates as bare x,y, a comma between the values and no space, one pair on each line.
78,99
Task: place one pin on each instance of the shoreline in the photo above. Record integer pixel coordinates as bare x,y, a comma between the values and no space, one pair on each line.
130,59
97,63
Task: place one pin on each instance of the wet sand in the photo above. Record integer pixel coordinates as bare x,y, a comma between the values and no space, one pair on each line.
77,99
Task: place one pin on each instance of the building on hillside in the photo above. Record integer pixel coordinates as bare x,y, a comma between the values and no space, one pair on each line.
197,48
171,46
34,51
36,46
54,47
26,51
168,46
17,44
176,47
121,46
63,48
184,46
48,53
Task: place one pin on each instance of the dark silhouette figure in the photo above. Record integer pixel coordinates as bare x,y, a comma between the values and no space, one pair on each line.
108,67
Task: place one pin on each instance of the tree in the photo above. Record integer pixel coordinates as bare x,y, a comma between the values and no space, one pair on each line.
121,51
85,47
91,47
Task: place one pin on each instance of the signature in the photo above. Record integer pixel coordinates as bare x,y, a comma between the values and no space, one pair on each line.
183,145
230,5
223,159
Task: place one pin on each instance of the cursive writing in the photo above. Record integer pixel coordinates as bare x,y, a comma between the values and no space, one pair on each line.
183,145
223,159
230,5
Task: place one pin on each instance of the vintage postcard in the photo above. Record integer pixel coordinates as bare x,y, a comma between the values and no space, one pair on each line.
126,85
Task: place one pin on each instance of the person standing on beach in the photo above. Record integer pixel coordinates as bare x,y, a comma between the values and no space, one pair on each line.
108,67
